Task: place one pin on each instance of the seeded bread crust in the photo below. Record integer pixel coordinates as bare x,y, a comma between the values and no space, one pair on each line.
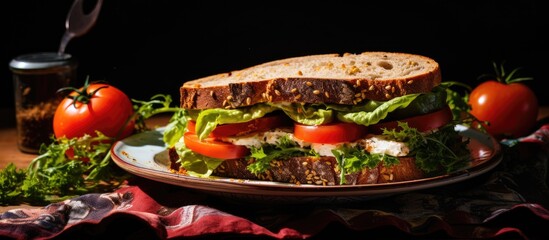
327,78
313,170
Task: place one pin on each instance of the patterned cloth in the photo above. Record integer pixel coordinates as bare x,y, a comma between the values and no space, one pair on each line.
509,202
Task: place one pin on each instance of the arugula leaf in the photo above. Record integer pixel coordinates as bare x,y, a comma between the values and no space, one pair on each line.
355,159
283,149
10,179
158,104
442,151
457,101
459,104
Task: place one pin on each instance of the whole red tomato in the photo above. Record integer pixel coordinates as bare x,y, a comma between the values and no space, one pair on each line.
94,107
509,107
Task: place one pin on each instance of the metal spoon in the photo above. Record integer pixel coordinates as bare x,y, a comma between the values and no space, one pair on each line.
78,23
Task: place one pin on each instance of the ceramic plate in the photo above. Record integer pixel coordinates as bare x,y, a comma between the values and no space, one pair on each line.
145,155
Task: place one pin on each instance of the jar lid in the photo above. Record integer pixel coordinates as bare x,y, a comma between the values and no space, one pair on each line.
41,60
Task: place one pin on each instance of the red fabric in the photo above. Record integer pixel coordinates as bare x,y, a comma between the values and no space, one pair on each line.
509,202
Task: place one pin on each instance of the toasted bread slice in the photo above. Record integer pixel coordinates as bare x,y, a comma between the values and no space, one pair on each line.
322,170
327,78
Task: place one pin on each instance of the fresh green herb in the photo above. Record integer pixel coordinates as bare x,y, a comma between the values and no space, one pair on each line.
10,179
458,101
355,159
283,149
71,167
158,104
442,151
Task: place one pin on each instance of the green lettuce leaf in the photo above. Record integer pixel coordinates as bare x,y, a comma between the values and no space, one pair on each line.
308,114
175,128
208,119
195,164
379,112
423,104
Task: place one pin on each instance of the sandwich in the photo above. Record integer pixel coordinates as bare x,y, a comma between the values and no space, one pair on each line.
327,119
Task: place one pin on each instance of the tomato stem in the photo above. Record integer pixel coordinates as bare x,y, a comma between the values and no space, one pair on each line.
81,96
502,77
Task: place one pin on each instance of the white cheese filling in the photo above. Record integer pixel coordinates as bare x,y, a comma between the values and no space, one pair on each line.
371,143
380,144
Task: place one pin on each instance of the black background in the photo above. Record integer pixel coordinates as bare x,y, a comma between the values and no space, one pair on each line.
149,47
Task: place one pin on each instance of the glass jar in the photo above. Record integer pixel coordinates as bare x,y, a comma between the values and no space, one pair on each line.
36,79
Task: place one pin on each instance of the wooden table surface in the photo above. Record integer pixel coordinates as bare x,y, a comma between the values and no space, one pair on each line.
9,152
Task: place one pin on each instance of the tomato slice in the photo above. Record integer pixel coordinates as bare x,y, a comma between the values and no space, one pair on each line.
237,129
422,123
214,148
330,133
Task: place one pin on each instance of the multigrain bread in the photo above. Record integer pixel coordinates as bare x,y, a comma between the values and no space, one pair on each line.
321,171
327,78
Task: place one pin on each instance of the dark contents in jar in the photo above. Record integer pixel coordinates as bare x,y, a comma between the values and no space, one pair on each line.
35,125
